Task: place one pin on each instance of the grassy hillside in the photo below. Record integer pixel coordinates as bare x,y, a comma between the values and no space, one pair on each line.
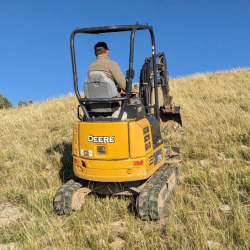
211,208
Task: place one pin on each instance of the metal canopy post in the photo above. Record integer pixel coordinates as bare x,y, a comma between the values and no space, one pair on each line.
155,74
130,70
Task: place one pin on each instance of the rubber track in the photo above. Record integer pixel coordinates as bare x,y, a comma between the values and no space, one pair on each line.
63,197
147,203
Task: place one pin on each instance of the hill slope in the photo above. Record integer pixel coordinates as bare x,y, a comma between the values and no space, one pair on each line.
211,208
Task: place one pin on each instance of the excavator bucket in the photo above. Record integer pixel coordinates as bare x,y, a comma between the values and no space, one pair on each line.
170,117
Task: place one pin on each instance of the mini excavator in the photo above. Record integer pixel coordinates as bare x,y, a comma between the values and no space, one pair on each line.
123,154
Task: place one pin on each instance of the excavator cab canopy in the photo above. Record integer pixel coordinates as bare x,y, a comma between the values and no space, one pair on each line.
129,74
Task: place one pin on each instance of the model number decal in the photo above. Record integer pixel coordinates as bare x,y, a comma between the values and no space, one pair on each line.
139,173
105,139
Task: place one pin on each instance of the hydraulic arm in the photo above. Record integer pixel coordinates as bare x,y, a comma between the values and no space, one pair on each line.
169,113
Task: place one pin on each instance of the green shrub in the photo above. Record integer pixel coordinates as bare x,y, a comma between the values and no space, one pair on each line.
4,102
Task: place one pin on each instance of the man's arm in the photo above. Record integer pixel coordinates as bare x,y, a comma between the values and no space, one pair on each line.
118,76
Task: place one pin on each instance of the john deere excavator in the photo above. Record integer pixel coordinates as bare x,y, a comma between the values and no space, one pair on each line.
122,154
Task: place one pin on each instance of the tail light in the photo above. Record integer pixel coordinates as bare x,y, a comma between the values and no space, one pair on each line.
136,163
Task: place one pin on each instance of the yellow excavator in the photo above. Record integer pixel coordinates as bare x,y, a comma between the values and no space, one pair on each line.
117,145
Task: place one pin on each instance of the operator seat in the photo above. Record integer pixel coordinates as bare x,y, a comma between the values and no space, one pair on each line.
98,85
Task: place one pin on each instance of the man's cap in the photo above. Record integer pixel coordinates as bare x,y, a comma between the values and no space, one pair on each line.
101,45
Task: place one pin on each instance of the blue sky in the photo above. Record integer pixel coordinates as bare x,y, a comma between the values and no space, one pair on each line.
196,36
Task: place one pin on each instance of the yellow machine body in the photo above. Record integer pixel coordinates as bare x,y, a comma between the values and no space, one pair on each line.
115,151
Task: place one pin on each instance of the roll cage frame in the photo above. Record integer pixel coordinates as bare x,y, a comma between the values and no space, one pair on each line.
129,73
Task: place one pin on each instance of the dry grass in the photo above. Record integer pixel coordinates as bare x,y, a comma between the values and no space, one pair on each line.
35,156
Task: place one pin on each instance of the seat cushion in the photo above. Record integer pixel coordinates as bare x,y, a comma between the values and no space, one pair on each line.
98,85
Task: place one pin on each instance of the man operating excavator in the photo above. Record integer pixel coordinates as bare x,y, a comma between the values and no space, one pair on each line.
105,64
